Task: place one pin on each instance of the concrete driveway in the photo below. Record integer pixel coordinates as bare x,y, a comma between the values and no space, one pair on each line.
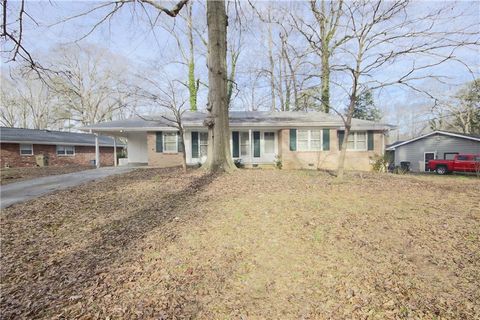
29,189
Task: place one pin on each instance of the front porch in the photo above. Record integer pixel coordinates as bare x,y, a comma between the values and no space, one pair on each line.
251,147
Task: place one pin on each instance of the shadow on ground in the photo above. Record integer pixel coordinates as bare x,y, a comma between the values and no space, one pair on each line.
54,286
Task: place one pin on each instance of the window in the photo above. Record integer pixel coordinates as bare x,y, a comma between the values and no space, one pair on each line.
170,142
449,155
309,140
26,149
65,150
463,158
269,138
315,140
203,143
357,141
244,144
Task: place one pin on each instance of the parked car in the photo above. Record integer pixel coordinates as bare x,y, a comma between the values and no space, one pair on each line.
460,163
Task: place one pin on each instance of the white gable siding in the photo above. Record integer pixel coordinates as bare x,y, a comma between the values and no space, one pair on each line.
440,144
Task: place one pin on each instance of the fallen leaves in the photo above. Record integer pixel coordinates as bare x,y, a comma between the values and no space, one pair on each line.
161,244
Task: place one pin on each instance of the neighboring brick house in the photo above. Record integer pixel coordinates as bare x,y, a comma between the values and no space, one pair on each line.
19,148
297,139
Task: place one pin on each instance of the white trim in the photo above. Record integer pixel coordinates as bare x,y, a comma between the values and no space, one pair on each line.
424,154
309,139
25,144
254,125
51,143
355,141
163,142
457,135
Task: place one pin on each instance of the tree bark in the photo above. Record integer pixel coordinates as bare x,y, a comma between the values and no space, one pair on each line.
348,124
325,80
219,156
192,83
272,64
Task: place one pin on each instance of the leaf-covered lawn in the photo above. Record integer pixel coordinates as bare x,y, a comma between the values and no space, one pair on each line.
10,175
255,244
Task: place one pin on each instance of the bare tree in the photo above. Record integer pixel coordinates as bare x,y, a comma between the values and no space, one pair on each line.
323,37
26,101
92,85
171,101
384,34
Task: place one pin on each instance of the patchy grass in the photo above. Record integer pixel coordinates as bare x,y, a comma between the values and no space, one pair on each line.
254,244
10,175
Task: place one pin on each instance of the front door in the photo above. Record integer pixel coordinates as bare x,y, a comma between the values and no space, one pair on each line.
428,156
269,146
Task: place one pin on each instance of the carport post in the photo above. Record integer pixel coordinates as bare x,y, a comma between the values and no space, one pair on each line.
97,152
114,152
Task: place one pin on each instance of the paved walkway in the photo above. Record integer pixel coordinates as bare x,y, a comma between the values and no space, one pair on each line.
29,189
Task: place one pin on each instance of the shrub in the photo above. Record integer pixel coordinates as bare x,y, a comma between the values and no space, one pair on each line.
380,163
278,162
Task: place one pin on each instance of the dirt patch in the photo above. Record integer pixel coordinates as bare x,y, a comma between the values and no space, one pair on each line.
255,244
10,175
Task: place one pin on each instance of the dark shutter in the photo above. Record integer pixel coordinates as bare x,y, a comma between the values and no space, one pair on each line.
159,141
235,144
179,142
326,139
293,139
256,144
194,144
341,135
370,140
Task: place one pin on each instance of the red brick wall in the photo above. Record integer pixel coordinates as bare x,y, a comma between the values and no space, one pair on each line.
10,156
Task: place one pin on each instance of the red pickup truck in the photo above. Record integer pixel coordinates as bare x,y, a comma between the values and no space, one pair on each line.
461,163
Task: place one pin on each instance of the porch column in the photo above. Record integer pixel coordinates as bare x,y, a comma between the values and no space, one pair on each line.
250,145
114,152
97,152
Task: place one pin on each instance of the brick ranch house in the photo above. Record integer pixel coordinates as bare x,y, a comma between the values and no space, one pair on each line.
19,148
297,139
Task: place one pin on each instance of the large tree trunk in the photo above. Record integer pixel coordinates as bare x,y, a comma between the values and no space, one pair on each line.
219,156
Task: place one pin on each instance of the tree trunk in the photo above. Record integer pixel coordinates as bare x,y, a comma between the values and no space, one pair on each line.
184,154
272,64
348,124
325,79
192,84
219,155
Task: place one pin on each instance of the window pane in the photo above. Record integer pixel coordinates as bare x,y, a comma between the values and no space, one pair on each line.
316,145
61,150
170,146
351,137
361,136
361,145
302,134
315,134
203,150
204,138
350,144
269,142
170,142
70,150
26,149
244,144
302,145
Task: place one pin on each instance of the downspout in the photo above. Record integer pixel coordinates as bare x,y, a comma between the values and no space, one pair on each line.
97,152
